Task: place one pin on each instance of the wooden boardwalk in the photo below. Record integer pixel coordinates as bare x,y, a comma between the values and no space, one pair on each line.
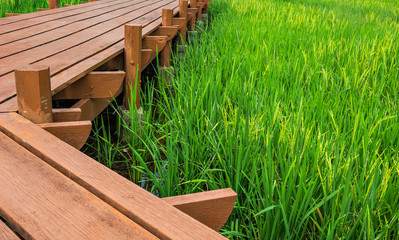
90,53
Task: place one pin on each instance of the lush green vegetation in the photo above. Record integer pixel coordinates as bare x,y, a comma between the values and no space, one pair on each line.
27,6
294,105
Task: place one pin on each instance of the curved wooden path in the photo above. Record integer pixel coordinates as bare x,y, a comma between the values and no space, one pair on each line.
91,53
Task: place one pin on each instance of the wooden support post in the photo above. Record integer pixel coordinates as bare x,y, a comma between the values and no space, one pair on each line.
133,47
34,94
193,3
52,4
192,15
167,20
183,5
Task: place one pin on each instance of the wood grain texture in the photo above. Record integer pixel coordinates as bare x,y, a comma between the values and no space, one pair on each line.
94,85
59,63
91,108
73,133
33,93
212,208
66,114
41,203
152,213
6,233
133,47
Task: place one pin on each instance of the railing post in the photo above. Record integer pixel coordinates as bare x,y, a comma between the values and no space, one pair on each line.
34,94
133,46
183,5
52,4
167,20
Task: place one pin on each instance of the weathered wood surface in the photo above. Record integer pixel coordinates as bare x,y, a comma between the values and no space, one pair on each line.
212,208
41,203
6,233
76,52
152,213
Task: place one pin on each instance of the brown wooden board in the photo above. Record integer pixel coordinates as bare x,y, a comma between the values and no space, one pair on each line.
41,203
37,35
152,213
78,54
6,233
52,15
212,208
93,33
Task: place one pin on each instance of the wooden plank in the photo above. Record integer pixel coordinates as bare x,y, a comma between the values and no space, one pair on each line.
54,14
41,203
26,38
152,213
90,30
12,14
33,94
94,85
91,108
65,59
66,114
212,208
74,133
6,233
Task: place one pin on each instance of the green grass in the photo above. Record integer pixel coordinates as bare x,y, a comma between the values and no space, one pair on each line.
27,6
293,105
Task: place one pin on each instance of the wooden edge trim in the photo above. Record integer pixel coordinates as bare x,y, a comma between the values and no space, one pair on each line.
212,208
74,133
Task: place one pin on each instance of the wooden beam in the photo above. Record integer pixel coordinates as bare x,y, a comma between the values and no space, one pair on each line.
133,46
33,93
94,85
192,17
169,31
73,133
66,114
6,233
12,14
183,5
167,21
115,64
155,43
212,208
52,4
91,108
147,55
42,9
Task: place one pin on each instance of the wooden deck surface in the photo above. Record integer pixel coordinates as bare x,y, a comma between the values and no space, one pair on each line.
48,188
73,44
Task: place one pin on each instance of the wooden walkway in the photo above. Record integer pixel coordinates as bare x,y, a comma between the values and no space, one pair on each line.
91,53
